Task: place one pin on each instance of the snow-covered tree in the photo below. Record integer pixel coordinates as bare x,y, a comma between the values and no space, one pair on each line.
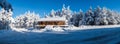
66,12
5,19
77,18
89,17
81,18
52,14
103,16
26,20
112,18
97,17
117,17
74,20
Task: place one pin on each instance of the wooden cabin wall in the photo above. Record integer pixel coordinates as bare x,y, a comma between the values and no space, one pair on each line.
51,23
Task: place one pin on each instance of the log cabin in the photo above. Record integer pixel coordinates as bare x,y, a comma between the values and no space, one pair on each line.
57,21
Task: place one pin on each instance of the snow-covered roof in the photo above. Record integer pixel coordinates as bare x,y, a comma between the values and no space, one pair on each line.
53,19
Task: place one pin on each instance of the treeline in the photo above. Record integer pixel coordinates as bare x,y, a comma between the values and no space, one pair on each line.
97,16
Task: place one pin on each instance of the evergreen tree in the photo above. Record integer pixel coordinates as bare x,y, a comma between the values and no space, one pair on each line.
81,18
97,17
52,14
89,17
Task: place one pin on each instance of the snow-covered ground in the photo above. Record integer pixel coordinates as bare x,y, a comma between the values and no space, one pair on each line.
81,35
67,29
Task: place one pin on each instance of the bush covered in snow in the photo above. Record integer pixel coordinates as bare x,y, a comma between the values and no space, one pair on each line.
26,20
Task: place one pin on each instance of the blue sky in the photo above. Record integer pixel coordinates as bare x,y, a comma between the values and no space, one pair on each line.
45,6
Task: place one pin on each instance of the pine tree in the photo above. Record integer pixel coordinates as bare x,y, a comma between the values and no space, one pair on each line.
81,18
97,16
104,16
52,14
111,18
89,17
74,20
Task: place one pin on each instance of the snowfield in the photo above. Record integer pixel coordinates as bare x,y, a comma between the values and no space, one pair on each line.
82,35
